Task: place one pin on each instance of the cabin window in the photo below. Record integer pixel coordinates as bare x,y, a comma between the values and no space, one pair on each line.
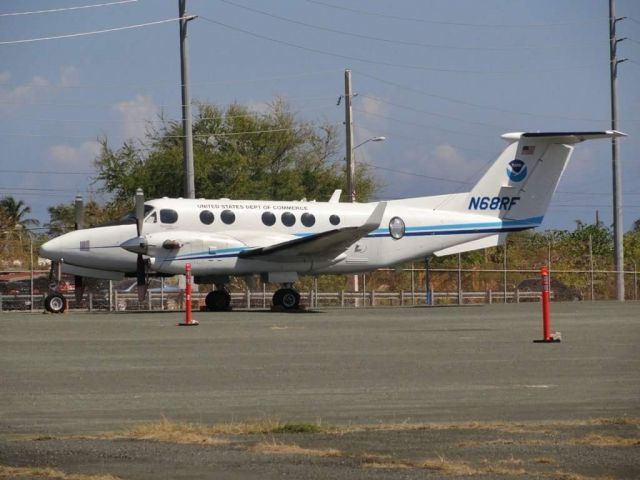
396,228
228,217
308,219
334,219
168,216
153,218
288,219
268,218
206,217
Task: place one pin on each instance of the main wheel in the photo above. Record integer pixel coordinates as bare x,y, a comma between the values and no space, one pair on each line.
289,298
217,300
55,303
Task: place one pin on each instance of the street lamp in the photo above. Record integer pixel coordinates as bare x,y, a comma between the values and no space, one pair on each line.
351,177
351,183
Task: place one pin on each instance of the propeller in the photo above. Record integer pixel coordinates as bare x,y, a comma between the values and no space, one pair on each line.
78,213
141,267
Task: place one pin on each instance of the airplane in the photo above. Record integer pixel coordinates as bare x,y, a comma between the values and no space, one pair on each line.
281,240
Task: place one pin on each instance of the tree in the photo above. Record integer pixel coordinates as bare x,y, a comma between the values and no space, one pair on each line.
62,216
237,154
14,213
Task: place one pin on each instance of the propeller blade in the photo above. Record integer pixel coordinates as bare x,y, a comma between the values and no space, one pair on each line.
78,212
139,210
141,275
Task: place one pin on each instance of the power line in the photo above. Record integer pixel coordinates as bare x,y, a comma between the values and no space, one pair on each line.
429,127
171,84
471,104
391,64
46,172
203,135
440,22
83,34
387,40
427,112
67,9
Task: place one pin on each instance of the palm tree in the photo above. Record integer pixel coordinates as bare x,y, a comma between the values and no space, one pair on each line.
15,213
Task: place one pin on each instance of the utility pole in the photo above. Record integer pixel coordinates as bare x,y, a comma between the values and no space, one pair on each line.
615,151
348,123
187,142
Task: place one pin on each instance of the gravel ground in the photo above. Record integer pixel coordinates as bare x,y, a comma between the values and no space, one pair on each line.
82,374
556,452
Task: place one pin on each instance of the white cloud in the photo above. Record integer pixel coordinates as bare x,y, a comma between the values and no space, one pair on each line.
135,114
75,158
69,76
12,95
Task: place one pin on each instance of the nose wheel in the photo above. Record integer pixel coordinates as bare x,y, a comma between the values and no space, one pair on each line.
287,298
55,303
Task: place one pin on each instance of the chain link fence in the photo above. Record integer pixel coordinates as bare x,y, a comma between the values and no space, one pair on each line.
386,287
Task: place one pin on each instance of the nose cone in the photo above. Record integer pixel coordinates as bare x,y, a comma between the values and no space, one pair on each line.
52,249
135,245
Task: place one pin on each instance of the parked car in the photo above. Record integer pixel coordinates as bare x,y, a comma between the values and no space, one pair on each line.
561,292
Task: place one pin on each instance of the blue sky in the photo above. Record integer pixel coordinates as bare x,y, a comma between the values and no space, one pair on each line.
441,79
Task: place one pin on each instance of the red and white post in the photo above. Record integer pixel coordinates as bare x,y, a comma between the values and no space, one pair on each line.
546,320
188,314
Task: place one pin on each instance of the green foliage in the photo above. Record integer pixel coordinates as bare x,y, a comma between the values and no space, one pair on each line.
62,216
237,154
13,214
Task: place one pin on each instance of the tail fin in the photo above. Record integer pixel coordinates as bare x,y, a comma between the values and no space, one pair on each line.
520,183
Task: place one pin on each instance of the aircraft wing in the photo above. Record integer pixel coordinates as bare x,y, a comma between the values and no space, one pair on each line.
327,244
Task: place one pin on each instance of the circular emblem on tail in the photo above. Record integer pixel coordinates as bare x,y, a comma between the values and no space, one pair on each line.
517,170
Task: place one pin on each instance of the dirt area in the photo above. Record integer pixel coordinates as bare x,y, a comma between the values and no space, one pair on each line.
570,450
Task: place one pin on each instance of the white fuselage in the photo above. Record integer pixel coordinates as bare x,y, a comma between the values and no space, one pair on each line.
212,246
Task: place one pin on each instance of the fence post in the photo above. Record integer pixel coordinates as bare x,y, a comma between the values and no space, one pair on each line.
373,298
413,284
460,298
115,299
90,301
341,298
517,295
490,296
264,295
149,302
248,297
402,298
504,273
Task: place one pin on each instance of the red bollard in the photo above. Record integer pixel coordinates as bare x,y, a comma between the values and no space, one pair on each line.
546,321
188,319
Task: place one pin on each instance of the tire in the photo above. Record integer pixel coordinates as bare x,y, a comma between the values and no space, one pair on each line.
55,303
289,298
217,300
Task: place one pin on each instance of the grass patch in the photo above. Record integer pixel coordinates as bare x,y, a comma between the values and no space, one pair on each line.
274,447
298,428
7,472
597,440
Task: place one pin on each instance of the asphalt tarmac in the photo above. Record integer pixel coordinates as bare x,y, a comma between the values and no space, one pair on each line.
85,373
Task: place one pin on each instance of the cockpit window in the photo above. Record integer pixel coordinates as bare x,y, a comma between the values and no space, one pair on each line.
168,216
152,218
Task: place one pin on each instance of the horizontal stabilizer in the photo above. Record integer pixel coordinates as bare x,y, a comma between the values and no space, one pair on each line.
486,242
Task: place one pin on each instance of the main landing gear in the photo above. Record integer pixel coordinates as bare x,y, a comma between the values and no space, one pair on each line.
287,298
218,300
